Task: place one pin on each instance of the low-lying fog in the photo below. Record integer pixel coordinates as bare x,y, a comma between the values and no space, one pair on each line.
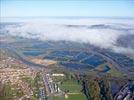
116,34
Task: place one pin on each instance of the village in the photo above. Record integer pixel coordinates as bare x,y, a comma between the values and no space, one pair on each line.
19,81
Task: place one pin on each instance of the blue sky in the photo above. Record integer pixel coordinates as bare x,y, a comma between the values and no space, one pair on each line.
90,8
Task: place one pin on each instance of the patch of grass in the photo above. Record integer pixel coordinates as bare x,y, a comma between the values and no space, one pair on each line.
19,93
76,97
115,72
27,79
73,90
70,86
56,98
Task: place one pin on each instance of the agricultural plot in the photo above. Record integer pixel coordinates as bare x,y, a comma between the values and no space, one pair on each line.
32,53
70,86
76,59
94,60
75,65
122,60
72,90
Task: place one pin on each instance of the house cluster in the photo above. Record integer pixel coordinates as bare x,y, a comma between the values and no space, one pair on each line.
14,75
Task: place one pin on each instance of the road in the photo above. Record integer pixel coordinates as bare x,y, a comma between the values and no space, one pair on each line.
42,94
127,89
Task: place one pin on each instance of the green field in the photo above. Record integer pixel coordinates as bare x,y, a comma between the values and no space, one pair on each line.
79,96
73,90
115,72
76,97
70,86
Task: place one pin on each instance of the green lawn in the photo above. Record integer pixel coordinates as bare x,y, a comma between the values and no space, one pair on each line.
71,86
56,98
79,96
74,90
76,97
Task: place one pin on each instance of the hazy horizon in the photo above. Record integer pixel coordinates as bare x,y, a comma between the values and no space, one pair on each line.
20,8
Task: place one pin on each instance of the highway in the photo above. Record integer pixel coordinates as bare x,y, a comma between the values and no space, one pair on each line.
127,89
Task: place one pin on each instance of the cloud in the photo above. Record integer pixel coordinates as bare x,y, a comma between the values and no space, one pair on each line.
102,33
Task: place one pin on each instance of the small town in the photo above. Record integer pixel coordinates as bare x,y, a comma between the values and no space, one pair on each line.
19,81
